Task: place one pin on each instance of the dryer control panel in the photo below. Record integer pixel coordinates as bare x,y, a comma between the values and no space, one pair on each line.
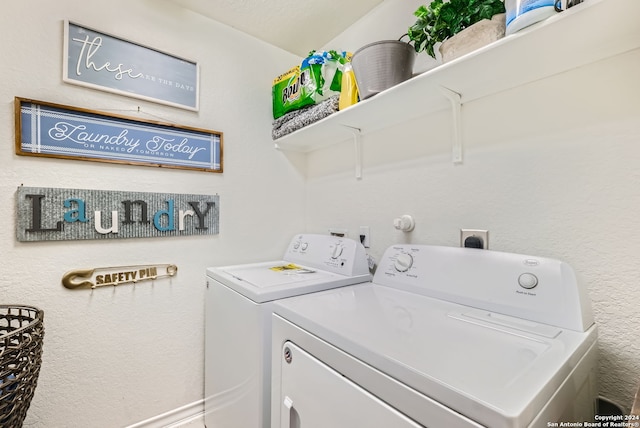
334,254
528,287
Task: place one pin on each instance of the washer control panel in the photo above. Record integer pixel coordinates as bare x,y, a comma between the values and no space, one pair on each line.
532,288
331,253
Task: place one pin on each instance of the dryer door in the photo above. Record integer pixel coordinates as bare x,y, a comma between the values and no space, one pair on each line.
313,395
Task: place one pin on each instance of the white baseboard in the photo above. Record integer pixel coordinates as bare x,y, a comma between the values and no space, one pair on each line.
175,418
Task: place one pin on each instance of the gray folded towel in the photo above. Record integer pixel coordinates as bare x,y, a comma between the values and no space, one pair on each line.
297,119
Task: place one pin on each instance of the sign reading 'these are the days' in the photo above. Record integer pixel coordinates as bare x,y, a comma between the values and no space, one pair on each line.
101,61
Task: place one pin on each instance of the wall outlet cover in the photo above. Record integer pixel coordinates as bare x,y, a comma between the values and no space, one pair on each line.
483,235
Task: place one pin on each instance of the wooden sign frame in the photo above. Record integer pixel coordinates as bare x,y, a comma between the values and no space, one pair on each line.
64,132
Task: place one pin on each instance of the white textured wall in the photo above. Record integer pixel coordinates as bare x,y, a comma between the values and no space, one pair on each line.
551,169
116,356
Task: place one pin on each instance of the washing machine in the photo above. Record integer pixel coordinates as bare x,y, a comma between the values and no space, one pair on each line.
239,300
443,337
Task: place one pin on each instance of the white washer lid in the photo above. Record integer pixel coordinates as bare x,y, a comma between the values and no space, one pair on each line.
266,281
494,369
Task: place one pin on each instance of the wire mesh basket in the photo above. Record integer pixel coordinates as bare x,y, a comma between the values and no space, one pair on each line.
21,335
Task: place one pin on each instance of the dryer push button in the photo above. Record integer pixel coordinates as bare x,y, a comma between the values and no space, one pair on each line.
528,280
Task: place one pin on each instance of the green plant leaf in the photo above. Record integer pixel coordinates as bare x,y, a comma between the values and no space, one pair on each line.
439,20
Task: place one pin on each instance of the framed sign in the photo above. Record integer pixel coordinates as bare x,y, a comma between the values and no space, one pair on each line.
101,61
58,131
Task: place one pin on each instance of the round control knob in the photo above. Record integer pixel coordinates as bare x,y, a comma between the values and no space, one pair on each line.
296,245
305,245
336,251
403,262
527,280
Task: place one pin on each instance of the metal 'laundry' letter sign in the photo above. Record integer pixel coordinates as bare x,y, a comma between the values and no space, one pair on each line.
50,214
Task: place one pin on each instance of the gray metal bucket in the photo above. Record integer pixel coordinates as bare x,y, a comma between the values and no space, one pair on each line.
381,65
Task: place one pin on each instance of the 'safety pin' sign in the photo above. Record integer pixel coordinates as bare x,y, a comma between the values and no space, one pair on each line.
103,276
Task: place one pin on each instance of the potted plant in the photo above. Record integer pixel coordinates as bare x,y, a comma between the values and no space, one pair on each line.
440,21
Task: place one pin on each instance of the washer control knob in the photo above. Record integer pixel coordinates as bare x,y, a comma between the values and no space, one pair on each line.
528,280
296,245
336,251
305,245
403,262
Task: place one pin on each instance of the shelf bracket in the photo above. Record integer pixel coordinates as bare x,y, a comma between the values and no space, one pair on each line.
456,108
357,142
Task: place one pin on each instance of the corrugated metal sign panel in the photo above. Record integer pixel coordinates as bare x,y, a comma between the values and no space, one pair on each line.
53,214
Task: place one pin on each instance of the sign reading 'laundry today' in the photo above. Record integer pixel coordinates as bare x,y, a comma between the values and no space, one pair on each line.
54,130
52,214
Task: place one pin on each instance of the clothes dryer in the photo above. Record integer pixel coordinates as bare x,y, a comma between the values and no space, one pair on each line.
239,301
442,338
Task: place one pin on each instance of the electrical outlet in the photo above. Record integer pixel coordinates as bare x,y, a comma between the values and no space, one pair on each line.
365,236
482,238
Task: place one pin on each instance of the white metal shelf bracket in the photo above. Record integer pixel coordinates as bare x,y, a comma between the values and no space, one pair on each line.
357,142
456,108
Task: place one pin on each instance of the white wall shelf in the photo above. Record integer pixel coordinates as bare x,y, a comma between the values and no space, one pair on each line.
589,32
